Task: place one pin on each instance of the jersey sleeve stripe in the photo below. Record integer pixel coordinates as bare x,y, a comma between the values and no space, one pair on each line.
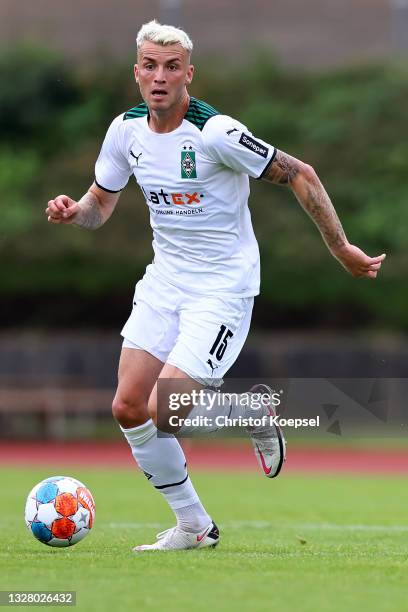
108,190
264,171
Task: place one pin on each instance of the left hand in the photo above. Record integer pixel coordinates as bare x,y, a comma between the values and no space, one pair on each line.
357,262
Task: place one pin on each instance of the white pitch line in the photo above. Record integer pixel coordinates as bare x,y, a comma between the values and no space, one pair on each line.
269,524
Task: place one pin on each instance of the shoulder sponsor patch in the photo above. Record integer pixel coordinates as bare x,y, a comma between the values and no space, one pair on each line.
253,145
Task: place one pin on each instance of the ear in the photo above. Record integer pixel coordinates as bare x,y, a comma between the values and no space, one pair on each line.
189,75
136,72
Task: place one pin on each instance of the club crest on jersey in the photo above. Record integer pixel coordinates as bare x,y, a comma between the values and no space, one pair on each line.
188,163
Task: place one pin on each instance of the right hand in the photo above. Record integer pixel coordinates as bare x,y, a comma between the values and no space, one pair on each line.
62,210
357,262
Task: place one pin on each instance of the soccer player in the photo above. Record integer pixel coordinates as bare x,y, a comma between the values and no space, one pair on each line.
192,309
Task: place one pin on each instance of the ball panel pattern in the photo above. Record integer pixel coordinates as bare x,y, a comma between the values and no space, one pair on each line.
63,528
41,532
86,500
67,485
30,510
81,518
34,490
66,504
59,543
46,492
79,535
47,514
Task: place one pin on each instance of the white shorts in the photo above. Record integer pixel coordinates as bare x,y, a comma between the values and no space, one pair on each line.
202,336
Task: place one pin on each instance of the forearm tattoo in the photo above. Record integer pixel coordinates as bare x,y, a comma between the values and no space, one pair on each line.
321,210
310,193
282,170
90,216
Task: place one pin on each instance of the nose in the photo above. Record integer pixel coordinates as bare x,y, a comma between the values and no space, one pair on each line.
159,76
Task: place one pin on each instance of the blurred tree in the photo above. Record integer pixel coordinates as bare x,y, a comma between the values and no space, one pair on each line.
36,90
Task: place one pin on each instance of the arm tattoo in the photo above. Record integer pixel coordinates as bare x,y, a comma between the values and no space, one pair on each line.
318,205
282,170
286,170
90,215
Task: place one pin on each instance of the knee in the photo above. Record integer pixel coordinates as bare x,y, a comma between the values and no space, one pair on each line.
130,411
152,408
160,414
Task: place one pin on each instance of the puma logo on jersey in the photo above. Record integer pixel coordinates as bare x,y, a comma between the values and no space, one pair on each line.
136,157
213,367
231,131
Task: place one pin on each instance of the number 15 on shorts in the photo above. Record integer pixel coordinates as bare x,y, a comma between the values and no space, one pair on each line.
221,342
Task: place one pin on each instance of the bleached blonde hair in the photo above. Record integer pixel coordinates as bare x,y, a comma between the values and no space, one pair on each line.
164,35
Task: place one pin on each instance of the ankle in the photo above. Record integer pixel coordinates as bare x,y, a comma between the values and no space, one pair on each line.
192,519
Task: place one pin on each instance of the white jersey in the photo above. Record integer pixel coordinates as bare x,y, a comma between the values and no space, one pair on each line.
195,182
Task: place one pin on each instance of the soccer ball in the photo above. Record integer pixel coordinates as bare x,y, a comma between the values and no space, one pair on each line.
59,511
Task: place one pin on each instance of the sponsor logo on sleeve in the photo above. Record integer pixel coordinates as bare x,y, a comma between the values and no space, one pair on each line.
253,145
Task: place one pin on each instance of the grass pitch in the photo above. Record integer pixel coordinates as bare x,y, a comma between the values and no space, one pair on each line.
295,544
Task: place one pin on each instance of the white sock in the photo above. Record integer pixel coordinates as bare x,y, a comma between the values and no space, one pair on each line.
163,462
192,518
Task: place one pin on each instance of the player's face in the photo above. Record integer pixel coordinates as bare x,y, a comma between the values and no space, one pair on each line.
163,72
